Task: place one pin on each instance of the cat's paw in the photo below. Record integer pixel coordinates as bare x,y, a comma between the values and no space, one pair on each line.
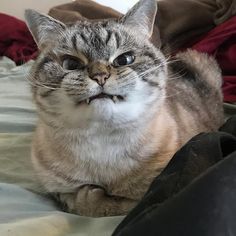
90,194
89,200
93,201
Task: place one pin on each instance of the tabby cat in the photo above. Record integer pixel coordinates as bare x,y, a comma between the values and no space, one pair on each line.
113,109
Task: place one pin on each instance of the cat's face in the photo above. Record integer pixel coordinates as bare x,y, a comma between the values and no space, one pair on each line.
101,71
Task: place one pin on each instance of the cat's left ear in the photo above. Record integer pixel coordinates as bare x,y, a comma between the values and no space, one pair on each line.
44,29
141,16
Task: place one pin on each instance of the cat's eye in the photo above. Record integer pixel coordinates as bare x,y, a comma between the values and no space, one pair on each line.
124,59
72,63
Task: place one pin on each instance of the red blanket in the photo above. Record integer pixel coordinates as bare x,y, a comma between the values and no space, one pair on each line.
221,42
16,41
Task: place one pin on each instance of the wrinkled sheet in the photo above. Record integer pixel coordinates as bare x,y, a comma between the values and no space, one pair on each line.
24,209
23,213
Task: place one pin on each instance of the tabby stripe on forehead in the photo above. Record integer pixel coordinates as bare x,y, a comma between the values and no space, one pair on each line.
109,34
74,41
97,41
117,38
83,37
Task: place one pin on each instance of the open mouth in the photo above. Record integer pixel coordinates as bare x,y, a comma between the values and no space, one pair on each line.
114,98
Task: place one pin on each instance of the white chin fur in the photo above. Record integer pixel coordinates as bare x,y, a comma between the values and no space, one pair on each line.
104,110
100,110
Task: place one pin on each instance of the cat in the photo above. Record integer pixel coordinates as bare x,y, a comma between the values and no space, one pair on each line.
113,109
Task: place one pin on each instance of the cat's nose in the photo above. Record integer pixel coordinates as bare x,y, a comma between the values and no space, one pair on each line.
99,72
100,78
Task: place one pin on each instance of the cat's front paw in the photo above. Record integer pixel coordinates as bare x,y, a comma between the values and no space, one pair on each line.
89,201
93,201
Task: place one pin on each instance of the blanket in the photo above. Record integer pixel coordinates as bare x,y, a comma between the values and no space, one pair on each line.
16,41
24,208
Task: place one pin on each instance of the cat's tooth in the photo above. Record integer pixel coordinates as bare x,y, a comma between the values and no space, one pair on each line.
87,100
115,99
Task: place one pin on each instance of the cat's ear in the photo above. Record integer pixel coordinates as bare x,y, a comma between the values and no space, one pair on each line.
142,16
43,28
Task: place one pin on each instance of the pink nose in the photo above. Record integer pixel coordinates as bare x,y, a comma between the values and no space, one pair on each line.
100,78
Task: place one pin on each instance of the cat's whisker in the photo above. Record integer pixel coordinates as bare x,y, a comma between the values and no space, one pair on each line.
37,84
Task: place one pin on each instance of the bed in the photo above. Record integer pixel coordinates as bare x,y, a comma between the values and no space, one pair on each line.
23,211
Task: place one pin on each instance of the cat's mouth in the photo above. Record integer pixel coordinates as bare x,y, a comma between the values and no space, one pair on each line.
114,98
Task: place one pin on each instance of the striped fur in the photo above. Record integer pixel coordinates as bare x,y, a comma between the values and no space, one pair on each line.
100,156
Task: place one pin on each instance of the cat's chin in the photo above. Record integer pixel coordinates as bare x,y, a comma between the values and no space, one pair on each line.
101,102
101,109
102,98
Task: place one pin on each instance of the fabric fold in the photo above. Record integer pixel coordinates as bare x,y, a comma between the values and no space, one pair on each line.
16,41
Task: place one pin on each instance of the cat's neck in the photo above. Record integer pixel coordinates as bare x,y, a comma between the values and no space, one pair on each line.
143,133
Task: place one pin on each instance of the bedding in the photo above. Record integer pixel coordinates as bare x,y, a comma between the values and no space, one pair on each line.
23,211
16,41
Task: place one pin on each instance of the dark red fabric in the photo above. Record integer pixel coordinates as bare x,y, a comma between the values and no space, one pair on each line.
221,42
16,41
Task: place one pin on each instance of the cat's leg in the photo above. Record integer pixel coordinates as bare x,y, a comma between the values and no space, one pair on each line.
93,201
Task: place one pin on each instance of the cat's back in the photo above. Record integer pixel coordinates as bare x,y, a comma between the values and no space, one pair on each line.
194,91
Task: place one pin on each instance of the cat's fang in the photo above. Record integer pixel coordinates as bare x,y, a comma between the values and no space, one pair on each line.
87,101
115,99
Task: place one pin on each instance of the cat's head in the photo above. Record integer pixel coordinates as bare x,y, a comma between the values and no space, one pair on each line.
97,71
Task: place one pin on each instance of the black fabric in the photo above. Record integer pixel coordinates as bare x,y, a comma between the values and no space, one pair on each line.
195,194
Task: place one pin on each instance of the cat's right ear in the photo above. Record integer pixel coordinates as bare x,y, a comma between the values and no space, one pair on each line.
43,28
141,17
